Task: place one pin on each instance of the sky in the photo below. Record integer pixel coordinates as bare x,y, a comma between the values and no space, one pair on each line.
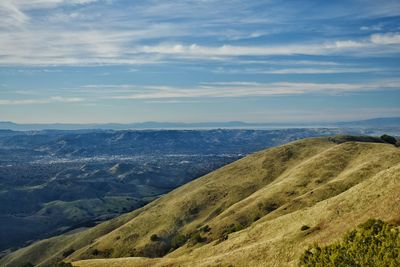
101,61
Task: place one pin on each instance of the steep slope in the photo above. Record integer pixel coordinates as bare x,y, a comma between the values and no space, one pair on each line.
264,198
54,181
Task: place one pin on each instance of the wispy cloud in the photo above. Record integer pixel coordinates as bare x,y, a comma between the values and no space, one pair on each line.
375,44
390,38
50,48
54,99
319,70
93,47
247,89
94,32
13,11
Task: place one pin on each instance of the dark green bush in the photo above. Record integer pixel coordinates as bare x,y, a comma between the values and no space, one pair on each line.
205,229
389,139
228,229
102,253
154,238
197,238
155,249
63,264
68,252
374,243
304,227
339,139
178,241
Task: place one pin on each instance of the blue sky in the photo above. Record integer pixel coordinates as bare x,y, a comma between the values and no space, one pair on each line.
82,61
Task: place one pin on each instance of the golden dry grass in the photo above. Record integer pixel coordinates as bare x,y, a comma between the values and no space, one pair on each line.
329,187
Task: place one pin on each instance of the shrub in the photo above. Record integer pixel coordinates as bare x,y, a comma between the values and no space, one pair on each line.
154,238
228,229
63,264
339,139
197,238
304,227
68,252
155,249
178,240
205,229
374,243
102,253
256,218
389,139
270,207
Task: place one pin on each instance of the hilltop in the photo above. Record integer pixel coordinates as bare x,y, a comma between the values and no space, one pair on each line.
266,208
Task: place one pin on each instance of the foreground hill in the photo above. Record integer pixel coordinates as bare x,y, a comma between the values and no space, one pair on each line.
54,181
264,209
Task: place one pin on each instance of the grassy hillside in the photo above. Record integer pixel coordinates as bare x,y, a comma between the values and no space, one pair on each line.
264,209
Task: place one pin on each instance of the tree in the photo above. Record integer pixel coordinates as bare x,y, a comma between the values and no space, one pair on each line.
374,243
154,238
389,139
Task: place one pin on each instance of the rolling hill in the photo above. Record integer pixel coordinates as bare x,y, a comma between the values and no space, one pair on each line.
54,181
262,210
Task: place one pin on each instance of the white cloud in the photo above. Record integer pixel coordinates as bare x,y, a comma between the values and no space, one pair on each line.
157,32
369,47
389,38
12,12
119,47
319,70
346,44
247,89
34,4
377,27
53,99
11,15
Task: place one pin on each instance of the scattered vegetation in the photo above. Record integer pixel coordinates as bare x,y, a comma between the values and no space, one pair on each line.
178,241
154,238
63,264
304,228
197,238
228,229
339,139
389,139
205,229
68,252
154,249
374,243
102,253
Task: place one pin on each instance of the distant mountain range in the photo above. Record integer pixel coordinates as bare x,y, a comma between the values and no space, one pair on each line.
376,122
